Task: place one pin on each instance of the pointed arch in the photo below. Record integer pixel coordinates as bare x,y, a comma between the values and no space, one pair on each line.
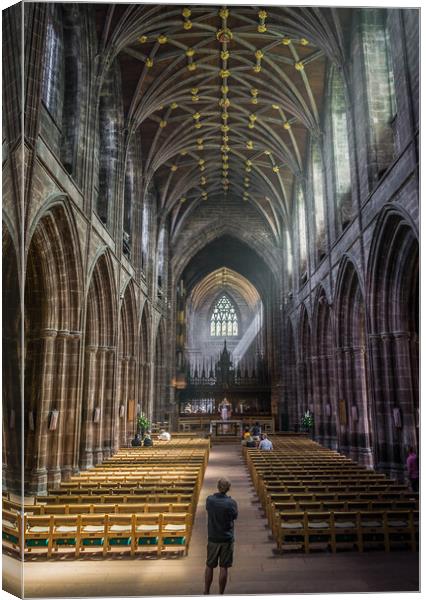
354,406
125,411
160,407
325,393
393,288
52,322
98,427
144,361
11,366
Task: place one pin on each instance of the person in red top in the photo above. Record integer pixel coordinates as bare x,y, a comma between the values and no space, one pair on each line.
413,470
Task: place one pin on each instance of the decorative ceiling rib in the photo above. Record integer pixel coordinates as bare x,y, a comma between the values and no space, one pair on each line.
224,98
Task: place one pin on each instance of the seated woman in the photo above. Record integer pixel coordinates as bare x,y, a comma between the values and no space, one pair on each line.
164,436
148,440
136,441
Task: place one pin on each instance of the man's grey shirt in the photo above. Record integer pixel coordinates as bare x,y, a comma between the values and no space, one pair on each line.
222,511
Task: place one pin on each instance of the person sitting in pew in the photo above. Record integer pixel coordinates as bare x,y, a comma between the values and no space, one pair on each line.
136,441
265,444
148,439
164,436
251,442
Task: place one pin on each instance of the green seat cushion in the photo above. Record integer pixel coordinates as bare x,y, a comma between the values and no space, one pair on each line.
65,542
148,541
37,542
10,538
169,541
120,541
93,542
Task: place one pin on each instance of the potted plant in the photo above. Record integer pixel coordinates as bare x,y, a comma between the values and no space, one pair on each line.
143,424
308,421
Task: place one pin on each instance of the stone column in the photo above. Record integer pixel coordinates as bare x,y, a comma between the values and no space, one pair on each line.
342,428
331,387
38,479
391,450
123,398
131,398
90,384
99,403
71,414
108,405
405,390
316,397
59,403
364,449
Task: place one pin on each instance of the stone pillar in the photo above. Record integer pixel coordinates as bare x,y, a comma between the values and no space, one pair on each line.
123,398
59,403
342,427
108,414
90,384
331,390
387,384
131,399
364,449
38,479
70,453
99,403
317,397
405,391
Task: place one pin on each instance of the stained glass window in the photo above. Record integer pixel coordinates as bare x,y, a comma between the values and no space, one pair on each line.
224,320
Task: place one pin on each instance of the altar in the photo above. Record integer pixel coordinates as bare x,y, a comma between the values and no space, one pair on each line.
229,427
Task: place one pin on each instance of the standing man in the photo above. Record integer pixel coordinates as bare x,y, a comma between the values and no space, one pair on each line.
222,511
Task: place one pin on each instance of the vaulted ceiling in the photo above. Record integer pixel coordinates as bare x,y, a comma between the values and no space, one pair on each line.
225,98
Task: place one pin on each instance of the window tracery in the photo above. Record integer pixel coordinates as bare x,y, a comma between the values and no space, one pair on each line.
224,319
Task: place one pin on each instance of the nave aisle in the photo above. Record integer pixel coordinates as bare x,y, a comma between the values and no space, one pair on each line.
257,569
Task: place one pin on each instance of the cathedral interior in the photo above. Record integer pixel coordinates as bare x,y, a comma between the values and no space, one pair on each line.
211,219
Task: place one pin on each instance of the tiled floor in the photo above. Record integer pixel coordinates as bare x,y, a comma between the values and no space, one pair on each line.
256,571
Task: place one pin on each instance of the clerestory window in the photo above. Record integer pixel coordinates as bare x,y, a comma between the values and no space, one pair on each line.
224,320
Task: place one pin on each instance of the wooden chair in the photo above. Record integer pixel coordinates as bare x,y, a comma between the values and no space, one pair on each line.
93,533
66,533
12,528
147,531
290,529
345,530
399,529
372,529
176,531
38,532
119,532
317,530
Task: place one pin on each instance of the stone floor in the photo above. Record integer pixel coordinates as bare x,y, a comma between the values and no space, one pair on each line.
257,569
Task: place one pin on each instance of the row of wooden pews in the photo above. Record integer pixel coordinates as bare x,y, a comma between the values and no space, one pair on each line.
315,498
141,500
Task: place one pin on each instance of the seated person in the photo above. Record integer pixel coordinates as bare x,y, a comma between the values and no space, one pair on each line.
251,443
164,436
136,441
246,436
148,439
265,444
256,430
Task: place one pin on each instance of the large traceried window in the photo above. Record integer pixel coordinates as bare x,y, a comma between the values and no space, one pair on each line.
318,190
380,88
342,173
224,320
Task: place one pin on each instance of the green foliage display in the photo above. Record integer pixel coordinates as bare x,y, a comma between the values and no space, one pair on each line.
143,423
308,420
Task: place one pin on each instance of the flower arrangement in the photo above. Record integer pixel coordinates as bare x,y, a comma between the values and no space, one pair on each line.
308,420
143,423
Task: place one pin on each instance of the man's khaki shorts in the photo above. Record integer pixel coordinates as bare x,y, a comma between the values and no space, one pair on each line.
220,551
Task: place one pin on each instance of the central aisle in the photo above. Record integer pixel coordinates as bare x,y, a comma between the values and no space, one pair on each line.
257,569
